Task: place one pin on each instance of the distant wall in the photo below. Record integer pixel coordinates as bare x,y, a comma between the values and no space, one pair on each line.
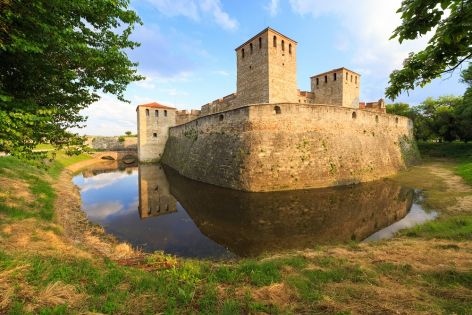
184,116
290,146
111,143
219,105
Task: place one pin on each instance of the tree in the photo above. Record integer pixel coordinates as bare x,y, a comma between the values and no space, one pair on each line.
437,119
128,133
402,109
55,57
464,110
449,47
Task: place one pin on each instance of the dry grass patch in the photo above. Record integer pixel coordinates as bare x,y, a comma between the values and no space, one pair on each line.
278,294
15,193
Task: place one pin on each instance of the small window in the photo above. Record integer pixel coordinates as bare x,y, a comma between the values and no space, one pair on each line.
376,118
326,79
351,77
274,41
147,112
165,112
289,48
260,43
317,81
396,120
156,113
221,117
277,109
242,51
283,45
251,48
347,75
355,79
154,134
354,115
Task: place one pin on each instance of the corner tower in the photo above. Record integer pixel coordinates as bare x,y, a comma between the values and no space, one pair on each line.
154,121
267,69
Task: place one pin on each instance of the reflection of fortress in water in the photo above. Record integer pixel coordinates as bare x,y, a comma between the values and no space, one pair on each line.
252,223
154,195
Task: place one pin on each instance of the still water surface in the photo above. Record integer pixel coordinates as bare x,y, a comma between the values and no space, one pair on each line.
154,208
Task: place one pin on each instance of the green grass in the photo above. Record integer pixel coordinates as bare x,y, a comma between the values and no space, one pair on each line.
44,195
457,228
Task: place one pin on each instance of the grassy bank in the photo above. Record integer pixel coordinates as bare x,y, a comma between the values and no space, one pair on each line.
427,270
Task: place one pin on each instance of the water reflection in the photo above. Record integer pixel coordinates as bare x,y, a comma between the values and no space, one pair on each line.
157,209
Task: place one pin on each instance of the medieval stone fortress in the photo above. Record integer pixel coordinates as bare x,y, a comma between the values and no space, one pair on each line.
270,136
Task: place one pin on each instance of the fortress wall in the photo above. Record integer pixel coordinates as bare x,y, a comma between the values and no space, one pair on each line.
318,146
211,148
304,146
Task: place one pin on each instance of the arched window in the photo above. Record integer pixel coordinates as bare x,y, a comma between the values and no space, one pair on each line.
289,48
355,79
221,117
283,44
156,113
260,43
242,52
274,41
326,79
334,76
347,75
147,112
277,110
354,115
396,120
165,112
250,46
317,81
376,118
351,77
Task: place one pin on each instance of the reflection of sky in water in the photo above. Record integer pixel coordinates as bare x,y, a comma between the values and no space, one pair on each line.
248,224
111,200
416,216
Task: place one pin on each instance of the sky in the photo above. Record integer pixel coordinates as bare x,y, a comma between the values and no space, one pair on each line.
187,51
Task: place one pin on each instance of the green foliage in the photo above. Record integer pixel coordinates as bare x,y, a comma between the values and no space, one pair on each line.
442,119
121,139
55,56
450,46
128,133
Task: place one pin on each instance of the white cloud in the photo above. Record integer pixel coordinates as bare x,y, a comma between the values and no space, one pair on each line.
364,31
272,7
221,72
177,7
196,10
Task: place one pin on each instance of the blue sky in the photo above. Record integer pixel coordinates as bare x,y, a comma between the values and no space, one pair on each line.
187,51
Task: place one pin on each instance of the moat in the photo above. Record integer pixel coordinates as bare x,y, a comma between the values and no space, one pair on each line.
154,208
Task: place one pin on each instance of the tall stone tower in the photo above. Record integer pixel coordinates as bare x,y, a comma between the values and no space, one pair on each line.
337,87
154,121
267,69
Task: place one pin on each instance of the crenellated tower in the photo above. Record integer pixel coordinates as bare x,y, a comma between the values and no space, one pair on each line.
267,69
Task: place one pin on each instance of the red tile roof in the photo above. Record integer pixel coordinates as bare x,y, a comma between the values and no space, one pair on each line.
155,105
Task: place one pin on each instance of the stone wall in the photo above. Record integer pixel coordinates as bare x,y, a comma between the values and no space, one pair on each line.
184,116
111,143
270,147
